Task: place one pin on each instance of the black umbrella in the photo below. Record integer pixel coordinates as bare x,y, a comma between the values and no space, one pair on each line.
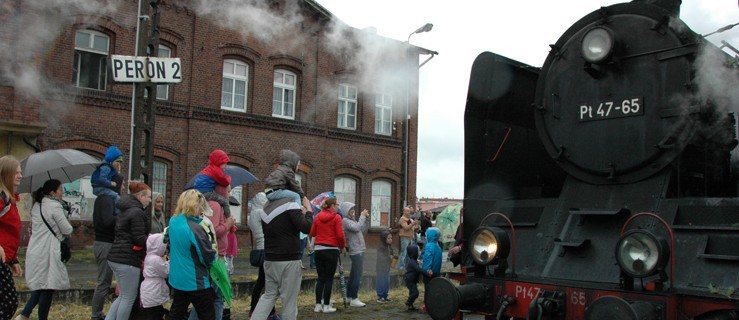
65,165
239,176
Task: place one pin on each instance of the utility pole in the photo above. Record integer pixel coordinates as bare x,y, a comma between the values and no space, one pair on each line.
143,108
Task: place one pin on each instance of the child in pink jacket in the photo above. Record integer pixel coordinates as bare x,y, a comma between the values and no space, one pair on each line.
154,290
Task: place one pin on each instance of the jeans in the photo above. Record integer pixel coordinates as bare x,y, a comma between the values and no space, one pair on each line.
202,302
42,298
404,242
104,278
103,191
355,278
284,193
382,284
283,281
127,278
326,261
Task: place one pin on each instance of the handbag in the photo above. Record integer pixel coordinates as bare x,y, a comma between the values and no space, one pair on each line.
256,258
63,244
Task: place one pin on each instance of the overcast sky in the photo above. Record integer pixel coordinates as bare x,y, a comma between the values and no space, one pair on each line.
520,30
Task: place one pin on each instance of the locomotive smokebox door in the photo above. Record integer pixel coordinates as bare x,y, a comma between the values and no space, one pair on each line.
611,99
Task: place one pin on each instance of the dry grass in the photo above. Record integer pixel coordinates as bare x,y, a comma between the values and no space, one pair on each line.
306,301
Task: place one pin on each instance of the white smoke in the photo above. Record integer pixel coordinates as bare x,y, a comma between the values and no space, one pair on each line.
30,33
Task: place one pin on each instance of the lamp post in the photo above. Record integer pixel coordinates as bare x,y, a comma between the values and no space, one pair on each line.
406,122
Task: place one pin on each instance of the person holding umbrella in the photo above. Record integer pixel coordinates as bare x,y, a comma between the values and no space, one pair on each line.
10,234
329,244
45,270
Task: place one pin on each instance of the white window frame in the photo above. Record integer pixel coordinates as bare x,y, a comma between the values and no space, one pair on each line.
232,77
159,178
383,113
347,118
285,89
345,189
163,89
90,48
238,193
382,196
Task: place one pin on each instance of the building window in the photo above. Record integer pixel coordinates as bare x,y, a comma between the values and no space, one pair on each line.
235,81
347,107
345,189
238,194
163,89
90,68
381,199
383,114
159,179
283,97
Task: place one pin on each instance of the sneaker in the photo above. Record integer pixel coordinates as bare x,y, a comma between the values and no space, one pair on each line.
411,307
381,300
318,308
387,300
357,303
274,317
21,317
328,309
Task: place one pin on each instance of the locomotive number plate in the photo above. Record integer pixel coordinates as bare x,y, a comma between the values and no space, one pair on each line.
618,108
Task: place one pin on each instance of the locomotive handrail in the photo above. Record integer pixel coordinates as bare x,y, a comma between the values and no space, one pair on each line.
513,238
672,240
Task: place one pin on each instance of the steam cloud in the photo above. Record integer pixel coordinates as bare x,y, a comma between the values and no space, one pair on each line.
33,27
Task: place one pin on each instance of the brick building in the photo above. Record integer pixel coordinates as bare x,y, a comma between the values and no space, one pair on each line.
256,78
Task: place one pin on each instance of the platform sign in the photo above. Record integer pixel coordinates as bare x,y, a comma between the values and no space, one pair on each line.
146,69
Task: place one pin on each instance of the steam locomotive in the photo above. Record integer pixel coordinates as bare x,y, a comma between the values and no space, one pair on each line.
601,185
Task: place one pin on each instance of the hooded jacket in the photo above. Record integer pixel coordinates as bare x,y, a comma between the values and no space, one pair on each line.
432,252
255,220
412,269
328,230
131,229
154,290
354,230
213,175
384,253
283,177
104,173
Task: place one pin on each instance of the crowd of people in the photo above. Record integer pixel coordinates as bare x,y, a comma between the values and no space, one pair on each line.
189,258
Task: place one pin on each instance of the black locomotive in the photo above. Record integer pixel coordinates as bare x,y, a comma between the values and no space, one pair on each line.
601,185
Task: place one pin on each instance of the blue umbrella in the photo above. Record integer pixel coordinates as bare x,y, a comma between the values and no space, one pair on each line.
239,176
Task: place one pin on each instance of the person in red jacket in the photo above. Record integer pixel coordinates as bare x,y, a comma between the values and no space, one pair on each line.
329,244
10,235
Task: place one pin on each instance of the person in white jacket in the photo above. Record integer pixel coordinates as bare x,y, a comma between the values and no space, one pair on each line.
154,291
255,225
45,271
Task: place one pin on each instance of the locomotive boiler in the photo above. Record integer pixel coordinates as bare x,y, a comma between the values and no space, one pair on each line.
601,185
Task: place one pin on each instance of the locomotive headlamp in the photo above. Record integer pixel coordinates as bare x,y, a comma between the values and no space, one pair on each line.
597,44
488,244
641,254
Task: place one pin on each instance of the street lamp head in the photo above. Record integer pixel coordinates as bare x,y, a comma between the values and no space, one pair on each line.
425,28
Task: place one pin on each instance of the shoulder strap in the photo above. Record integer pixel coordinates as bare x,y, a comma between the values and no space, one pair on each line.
6,203
41,213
